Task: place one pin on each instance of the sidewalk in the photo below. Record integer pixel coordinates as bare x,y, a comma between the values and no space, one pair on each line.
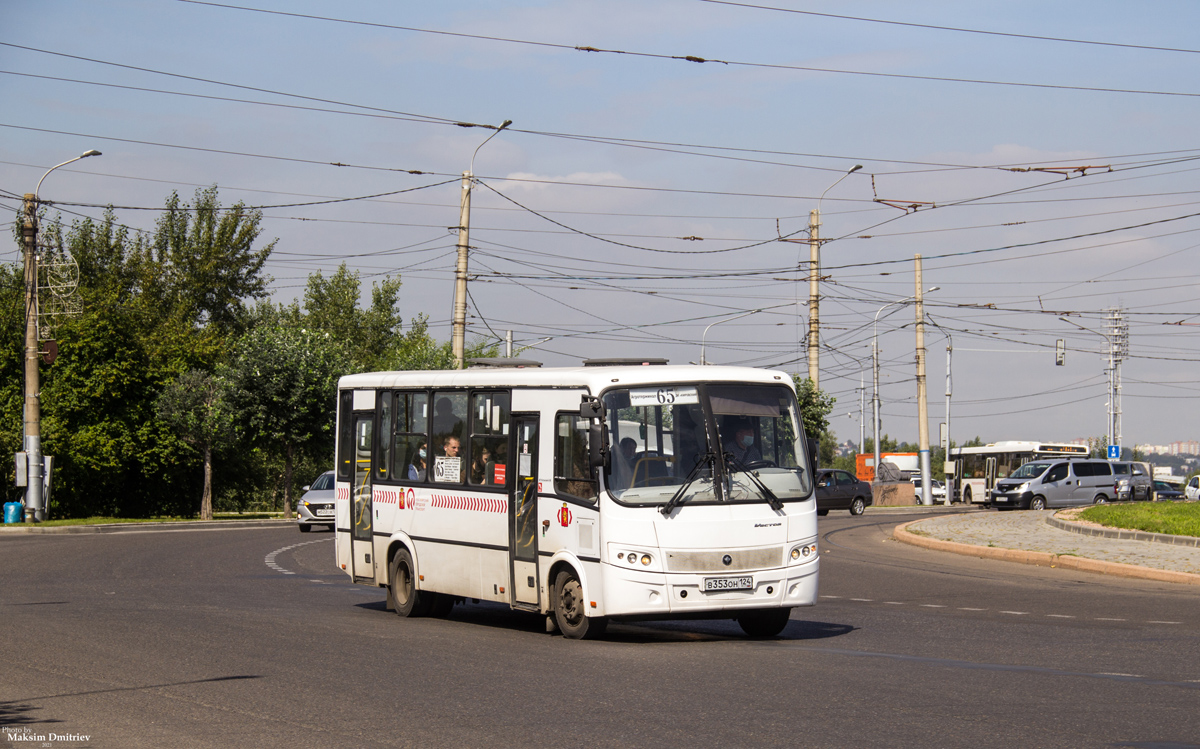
1028,537
17,529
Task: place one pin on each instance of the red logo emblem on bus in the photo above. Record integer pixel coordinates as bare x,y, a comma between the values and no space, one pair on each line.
564,516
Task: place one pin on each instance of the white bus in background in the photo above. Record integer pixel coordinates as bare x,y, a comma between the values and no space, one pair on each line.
589,494
977,468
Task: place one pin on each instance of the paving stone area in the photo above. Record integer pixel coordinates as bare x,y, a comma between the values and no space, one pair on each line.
1029,531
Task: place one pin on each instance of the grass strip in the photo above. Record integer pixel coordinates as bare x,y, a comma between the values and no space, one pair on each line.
1174,518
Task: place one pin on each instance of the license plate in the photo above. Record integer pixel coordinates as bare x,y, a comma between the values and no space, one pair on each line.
1001,498
728,583
324,513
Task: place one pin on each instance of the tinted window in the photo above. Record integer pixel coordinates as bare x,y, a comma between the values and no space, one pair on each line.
845,479
1120,468
1057,473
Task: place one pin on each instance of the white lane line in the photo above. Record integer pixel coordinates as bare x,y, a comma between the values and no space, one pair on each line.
933,606
1018,613
1060,616
269,560
1106,619
893,603
864,600
966,608
1153,622
1132,676
831,596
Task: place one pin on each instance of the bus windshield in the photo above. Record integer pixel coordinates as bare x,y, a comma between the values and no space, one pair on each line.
729,442
1029,471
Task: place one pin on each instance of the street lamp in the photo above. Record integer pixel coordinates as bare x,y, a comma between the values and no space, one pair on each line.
875,367
814,274
458,334
35,510
718,322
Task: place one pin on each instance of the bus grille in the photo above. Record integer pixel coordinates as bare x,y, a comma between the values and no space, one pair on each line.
713,561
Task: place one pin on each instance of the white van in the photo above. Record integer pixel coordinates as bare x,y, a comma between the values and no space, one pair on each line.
1055,483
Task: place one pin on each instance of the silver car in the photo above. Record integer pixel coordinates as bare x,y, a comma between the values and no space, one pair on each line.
316,505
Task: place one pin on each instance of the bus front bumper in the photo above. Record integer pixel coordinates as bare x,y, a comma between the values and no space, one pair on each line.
634,592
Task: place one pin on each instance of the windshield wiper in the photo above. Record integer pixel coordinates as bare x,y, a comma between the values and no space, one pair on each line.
767,494
678,498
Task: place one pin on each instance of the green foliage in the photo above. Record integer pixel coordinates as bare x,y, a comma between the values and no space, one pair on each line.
1175,518
815,406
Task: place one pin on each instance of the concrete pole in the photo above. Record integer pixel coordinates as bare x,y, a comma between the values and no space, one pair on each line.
34,508
862,411
875,393
508,344
459,331
922,393
949,390
814,299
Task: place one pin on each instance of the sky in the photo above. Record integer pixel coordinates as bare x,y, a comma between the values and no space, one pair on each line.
659,173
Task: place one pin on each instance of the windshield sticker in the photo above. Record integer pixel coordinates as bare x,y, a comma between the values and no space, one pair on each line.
663,396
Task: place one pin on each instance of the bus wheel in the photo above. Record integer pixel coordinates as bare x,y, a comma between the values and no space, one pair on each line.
1037,503
570,609
765,622
408,600
966,495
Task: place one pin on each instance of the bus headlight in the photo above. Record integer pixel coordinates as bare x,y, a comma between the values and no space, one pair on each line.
645,560
806,551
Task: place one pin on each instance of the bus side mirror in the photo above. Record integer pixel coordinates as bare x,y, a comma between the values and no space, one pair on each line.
598,445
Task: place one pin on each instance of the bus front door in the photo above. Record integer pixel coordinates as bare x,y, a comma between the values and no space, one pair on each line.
989,478
362,561
523,511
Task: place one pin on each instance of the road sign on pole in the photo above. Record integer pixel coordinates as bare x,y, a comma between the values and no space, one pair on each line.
1114,452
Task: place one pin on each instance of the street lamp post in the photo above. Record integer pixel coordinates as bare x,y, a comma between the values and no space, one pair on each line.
814,275
718,322
458,333
875,369
35,510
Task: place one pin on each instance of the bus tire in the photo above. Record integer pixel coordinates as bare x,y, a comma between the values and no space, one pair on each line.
570,610
408,600
966,495
764,622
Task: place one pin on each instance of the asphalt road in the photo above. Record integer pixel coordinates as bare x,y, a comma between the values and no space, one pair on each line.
204,639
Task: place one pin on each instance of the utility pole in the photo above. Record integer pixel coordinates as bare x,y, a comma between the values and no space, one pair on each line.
34,509
814,303
458,335
1118,348
922,394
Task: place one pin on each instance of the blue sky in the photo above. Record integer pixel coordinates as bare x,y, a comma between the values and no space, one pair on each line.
582,207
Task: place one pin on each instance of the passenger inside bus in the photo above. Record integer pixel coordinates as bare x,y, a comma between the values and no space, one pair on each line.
416,469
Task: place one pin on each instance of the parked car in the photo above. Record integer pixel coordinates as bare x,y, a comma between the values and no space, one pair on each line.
936,488
1192,490
841,490
1133,482
1163,490
316,504
1052,483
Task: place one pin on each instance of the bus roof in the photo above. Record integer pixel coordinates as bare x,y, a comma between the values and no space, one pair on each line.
1024,446
593,378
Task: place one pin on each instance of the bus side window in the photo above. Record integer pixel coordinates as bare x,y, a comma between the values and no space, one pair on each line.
383,454
572,473
345,457
490,416
412,437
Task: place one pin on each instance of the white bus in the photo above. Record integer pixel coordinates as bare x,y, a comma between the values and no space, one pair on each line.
977,468
608,491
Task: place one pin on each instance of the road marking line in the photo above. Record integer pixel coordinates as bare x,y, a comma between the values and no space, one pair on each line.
1060,616
831,596
1154,622
933,606
867,600
269,560
893,603
970,609
1132,676
1018,613
1106,619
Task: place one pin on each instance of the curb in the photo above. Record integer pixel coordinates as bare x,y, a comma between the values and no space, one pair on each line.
19,529
1123,533
1043,559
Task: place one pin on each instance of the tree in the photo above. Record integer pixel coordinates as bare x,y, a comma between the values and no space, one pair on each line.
284,381
815,407
196,408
